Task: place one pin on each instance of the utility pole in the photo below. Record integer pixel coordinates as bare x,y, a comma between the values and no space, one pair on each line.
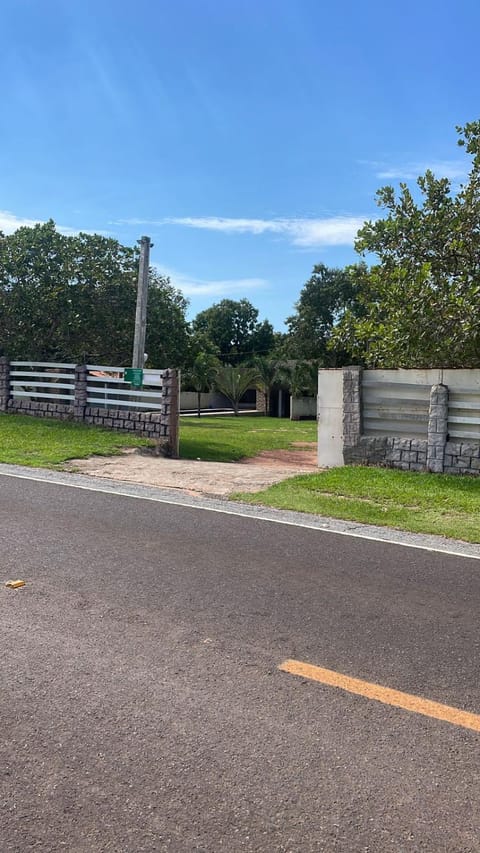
138,358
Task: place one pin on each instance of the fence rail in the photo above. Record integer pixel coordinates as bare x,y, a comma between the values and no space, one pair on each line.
41,381
464,414
395,408
106,388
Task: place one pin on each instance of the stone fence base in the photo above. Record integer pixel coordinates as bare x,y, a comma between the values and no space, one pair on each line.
435,453
161,425
411,454
147,425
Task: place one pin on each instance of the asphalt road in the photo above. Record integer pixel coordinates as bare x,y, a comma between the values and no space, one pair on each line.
141,704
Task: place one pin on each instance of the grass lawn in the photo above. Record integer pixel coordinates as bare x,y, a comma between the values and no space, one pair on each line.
40,442
422,503
225,438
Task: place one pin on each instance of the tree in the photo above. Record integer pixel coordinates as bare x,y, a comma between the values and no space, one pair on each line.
34,310
267,375
421,300
202,374
69,298
168,334
233,382
324,299
234,329
302,378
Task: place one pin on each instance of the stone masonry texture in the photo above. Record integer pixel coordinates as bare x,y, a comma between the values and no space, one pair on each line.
161,425
436,453
437,428
352,405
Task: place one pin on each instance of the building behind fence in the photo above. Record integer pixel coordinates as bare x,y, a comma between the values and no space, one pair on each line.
416,420
94,394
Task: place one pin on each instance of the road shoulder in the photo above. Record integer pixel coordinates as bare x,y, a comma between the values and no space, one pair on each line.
266,514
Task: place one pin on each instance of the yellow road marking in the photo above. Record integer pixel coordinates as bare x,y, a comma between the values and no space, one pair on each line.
384,694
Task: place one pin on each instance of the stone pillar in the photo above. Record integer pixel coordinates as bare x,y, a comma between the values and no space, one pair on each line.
80,392
169,417
4,383
261,401
352,405
437,428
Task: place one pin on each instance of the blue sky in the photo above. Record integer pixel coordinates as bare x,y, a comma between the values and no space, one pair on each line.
246,137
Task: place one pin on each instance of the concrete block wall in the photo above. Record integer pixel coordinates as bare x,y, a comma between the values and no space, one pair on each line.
408,454
436,453
303,408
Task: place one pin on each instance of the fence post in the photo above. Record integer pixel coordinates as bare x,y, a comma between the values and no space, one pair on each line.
80,392
170,414
437,428
4,383
352,405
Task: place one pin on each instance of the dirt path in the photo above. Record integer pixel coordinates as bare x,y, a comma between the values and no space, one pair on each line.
196,477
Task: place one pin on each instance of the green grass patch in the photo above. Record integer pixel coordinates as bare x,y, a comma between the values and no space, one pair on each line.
422,503
25,440
227,438
40,442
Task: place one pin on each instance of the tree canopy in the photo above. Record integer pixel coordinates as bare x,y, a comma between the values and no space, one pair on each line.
323,301
420,301
234,329
71,298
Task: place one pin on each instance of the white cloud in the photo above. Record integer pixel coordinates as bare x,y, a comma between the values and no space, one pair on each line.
9,223
308,233
215,287
454,170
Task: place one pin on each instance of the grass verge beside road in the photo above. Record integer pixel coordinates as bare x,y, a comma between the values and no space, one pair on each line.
227,439
25,440
43,443
421,503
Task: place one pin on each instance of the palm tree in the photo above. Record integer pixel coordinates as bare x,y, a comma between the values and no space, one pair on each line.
202,374
268,375
233,382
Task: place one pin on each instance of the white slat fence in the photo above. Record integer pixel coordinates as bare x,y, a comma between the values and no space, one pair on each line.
106,388
43,381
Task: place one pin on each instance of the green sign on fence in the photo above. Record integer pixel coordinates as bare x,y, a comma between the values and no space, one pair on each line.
133,375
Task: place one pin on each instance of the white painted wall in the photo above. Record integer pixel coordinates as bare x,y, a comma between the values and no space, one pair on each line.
330,418
210,400
302,407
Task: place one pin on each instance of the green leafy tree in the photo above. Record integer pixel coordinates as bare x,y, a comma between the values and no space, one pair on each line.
71,298
168,333
234,382
302,378
35,312
421,299
234,329
199,343
324,300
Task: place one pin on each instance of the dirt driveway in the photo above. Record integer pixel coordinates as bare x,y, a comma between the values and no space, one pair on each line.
206,478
